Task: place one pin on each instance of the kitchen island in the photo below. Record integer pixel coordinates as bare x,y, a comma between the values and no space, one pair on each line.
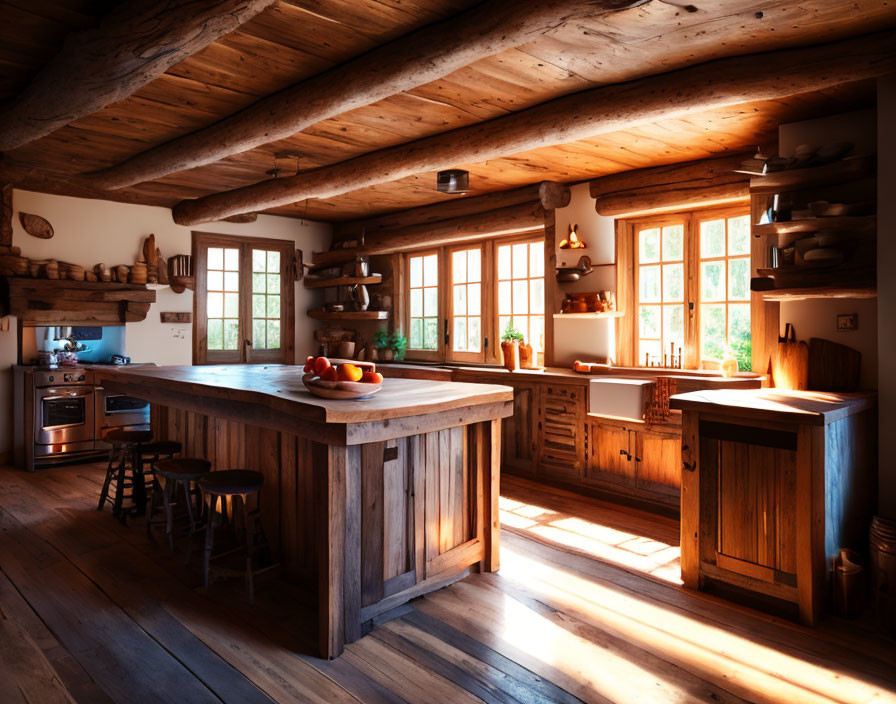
368,503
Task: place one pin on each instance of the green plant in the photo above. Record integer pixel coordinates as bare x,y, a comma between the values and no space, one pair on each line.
399,344
511,333
381,340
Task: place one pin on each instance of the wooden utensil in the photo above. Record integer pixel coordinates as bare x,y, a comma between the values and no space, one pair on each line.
832,366
790,362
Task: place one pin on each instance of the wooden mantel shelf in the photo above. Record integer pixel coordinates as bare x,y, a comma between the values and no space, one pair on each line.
63,302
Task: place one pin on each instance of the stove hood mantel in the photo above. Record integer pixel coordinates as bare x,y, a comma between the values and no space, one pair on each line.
60,302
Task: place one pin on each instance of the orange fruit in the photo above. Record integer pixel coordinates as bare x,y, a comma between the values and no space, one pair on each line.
350,372
372,378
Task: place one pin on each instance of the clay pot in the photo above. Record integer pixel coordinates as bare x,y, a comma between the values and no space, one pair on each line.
137,274
511,351
346,349
526,356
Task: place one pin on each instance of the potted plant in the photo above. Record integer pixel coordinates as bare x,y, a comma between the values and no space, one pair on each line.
510,346
398,343
381,345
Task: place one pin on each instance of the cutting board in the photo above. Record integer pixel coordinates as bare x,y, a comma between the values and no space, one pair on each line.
832,366
790,362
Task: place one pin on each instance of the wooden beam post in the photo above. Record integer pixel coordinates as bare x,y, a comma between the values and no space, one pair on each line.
415,59
707,86
6,215
136,42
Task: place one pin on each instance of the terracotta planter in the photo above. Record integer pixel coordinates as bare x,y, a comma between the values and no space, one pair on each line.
526,356
511,351
387,354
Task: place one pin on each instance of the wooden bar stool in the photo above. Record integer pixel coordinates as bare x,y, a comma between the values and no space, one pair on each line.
169,476
160,449
125,470
234,487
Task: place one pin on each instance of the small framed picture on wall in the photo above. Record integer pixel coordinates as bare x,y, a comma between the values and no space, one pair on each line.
847,322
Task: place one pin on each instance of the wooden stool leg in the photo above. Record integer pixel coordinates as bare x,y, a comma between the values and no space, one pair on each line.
139,479
118,504
249,531
169,511
188,501
151,504
209,540
104,493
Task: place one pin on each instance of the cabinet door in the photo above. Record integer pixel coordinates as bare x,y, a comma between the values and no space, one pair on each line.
610,458
657,459
561,419
518,432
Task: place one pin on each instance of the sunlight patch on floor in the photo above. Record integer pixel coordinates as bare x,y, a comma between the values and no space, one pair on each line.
753,670
619,547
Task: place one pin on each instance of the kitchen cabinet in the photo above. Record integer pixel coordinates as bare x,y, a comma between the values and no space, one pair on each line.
642,461
774,484
561,431
519,435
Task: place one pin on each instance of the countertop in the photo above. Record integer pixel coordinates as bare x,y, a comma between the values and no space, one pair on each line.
777,405
279,387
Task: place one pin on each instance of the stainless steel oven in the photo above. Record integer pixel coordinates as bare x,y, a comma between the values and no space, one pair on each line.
64,412
119,411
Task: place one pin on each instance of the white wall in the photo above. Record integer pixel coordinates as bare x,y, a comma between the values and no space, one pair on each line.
576,338
91,231
886,292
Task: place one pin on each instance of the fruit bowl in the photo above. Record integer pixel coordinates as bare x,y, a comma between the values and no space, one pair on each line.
342,390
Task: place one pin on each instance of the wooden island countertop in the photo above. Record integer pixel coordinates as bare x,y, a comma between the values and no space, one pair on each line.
367,504
274,396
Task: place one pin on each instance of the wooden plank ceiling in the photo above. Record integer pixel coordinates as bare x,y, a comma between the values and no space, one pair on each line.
294,40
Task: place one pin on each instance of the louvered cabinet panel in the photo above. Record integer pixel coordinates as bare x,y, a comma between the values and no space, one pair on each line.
561,432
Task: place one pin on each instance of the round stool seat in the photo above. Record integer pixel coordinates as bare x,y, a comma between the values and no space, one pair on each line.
232,481
186,468
162,447
128,436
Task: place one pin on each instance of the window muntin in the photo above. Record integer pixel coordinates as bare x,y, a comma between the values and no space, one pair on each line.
661,291
520,291
724,282
423,302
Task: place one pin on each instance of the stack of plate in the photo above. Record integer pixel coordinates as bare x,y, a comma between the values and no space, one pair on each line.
883,570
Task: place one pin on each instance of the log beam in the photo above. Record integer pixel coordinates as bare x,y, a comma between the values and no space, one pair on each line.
514,219
454,208
660,188
135,43
415,59
582,115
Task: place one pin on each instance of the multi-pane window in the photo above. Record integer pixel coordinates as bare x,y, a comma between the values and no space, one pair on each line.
266,298
223,296
521,290
423,302
244,304
466,301
660,293
691,289
724,253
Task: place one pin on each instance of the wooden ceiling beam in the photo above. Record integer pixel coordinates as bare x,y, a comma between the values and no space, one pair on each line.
548,192
415,59
582,115
136,42
686,184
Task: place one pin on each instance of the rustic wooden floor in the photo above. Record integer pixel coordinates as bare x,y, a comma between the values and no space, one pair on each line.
93,612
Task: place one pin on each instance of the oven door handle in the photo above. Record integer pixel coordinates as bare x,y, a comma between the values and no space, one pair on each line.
58,395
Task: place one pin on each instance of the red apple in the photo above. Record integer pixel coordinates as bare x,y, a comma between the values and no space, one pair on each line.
320,365
309,365
329,374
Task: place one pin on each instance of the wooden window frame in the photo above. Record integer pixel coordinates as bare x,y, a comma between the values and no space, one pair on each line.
527,240
490,353
245,353
627,279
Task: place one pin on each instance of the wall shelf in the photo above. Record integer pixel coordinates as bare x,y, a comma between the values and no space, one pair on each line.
845,222
344,281
335,256
841,171
607,314
802,294
180,283
349,315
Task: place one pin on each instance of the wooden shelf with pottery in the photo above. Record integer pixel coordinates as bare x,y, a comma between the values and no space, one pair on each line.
181,283
845,222
66,302
349,315
372,280
595,314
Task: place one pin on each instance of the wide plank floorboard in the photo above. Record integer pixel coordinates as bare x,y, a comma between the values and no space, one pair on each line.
92,611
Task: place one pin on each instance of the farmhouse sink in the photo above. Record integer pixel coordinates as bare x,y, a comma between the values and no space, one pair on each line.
619,397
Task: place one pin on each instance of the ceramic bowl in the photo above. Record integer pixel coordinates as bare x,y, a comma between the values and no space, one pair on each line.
340,390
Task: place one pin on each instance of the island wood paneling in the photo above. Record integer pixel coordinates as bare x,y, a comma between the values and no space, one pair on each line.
399,517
